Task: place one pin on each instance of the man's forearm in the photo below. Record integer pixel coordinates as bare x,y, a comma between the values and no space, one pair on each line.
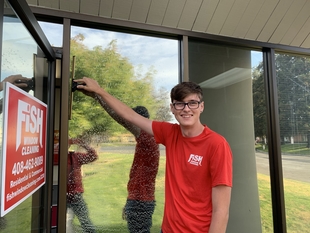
218,223
220,208
121,109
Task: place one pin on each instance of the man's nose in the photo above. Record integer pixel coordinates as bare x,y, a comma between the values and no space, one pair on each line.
186,106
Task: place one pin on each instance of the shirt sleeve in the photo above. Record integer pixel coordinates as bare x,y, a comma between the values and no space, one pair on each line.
161,130
221,165
84,158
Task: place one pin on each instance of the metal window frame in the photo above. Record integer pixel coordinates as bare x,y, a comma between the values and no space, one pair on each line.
23,11
268,49
274,142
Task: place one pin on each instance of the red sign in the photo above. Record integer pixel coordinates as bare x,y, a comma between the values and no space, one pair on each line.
23,147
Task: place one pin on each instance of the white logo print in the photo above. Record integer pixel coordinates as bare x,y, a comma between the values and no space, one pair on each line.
29,119
195,159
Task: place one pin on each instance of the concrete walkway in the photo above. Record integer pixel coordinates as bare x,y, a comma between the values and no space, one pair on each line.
295,167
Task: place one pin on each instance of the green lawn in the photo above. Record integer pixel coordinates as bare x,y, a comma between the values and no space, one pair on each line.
297,202
107,179
105,182
289,149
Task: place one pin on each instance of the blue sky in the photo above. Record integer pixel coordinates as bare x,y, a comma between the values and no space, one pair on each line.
142,51
18,47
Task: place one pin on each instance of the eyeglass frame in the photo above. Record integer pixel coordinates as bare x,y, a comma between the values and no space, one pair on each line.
187,103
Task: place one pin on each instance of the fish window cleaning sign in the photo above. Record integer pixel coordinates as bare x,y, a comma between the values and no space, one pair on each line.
23,147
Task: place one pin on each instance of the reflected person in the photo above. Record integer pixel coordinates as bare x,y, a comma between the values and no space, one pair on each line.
75,202
198,177
140,203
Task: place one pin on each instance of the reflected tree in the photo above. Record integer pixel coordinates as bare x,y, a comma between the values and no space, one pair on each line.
259,102
293,77
117,75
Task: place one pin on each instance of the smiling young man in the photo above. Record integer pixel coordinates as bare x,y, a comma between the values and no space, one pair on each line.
198,176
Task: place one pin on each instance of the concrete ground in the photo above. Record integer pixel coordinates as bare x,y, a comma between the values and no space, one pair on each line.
294,167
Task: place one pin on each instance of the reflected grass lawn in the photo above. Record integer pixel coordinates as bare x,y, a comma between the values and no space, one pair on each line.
297,203
289,149
105,183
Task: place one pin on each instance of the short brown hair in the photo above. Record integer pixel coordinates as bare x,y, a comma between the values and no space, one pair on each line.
182,90
142,111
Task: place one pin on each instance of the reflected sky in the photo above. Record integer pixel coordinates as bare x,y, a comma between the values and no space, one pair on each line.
17,49
142,51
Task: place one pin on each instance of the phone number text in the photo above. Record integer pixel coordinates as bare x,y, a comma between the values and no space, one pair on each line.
20,167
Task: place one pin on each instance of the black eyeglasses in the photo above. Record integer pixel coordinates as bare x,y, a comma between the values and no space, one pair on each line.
190,104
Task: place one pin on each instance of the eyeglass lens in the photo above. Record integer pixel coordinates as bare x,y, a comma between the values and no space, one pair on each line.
191,105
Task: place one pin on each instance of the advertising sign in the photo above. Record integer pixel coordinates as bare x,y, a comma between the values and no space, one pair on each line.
23,147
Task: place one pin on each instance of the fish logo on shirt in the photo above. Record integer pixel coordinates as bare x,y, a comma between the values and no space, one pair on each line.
195,160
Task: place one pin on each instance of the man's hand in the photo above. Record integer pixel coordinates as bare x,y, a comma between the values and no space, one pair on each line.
17,80
88,93
88,84
75,141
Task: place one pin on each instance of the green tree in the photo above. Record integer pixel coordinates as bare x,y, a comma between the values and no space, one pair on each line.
116,74
259,102
292,76
293,93
162,105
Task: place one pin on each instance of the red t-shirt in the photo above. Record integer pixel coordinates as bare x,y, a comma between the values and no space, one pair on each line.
193,166
75,162
141,184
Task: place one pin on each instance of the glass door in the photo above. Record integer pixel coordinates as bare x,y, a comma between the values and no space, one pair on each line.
26,65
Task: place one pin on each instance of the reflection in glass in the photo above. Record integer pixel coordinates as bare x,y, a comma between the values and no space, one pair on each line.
293,99
261,143
224,73
75,200
19,58
53,33
18,48
140,71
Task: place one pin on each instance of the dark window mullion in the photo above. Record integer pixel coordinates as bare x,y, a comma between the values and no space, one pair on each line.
274,143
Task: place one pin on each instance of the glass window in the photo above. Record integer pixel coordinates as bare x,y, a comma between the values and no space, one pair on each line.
53,33
23,64
293,78
261,143
118,185
226,76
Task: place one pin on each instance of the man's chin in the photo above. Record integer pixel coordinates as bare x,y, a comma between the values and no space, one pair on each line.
185,121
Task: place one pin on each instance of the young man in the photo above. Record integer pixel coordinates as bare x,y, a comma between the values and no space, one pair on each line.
198,177
140,203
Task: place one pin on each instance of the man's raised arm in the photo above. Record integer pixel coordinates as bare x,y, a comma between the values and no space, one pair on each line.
119,107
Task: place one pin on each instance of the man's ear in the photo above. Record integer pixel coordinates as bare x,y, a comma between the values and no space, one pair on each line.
171,108
202,106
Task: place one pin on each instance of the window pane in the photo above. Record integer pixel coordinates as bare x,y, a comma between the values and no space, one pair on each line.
53,33
140,71
225,75
261,143
21,55
293,100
